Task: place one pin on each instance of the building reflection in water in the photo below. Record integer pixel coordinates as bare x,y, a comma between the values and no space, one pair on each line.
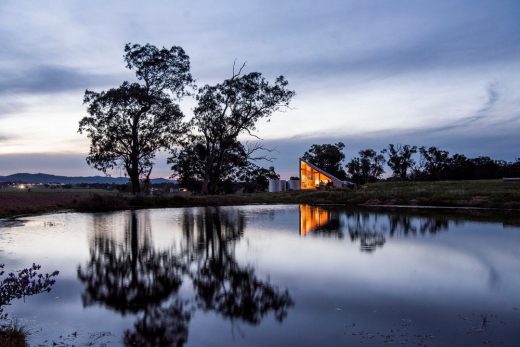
312,218
127,274
368,228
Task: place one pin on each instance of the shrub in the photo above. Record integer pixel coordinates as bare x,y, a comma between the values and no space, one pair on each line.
23,283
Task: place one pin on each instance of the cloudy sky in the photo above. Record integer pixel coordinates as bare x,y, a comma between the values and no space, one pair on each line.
367,73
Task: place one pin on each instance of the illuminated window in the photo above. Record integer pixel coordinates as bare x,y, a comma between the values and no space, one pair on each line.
311,177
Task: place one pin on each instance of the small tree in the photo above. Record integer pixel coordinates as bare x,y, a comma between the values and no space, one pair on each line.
127,125
328,157
256,179
400,159
436,162
368,167
189,163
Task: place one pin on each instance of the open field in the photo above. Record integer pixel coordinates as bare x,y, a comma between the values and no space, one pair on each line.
39,200
482,194
486,194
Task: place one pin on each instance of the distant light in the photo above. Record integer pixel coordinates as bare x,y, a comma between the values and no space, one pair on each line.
21,186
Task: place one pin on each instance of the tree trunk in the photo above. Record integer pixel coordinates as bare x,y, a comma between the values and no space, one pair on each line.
134,176
206,182
205,186
134,157
136,186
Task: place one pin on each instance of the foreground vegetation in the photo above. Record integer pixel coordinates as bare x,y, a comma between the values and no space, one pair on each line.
13,335
19,285
482,194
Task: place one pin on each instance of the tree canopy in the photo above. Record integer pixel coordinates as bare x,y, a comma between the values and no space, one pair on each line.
368,167
400,159
189,163
328,157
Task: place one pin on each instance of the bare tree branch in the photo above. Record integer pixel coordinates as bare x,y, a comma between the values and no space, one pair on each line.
255,147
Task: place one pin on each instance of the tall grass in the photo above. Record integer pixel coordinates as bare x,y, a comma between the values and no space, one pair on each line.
13,335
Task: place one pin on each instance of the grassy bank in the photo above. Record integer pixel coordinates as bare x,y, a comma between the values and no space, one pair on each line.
482,194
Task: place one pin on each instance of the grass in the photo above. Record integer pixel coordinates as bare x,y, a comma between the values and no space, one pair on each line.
13,335
15,202
483,194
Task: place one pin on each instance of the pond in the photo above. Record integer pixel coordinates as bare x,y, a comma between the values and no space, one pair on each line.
294,275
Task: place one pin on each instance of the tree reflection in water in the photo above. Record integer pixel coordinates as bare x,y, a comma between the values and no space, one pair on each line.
161,326
133,277
220,283
369,228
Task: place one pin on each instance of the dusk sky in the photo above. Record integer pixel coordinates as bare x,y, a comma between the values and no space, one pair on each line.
367,73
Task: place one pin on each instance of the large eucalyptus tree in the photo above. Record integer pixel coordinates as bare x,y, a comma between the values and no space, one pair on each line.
128,124
227,110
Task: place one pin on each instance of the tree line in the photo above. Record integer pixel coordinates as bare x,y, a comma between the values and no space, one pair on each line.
407,162
129,124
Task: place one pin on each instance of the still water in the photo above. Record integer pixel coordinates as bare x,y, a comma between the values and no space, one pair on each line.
269,276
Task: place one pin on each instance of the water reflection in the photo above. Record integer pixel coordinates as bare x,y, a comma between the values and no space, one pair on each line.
318,220
160,326
181,277
369,235
371,231
220,283
132,276
128,276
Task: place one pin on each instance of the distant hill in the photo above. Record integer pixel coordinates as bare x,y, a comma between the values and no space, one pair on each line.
46,178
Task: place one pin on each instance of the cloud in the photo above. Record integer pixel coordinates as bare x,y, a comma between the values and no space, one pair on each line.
492,98
45,79
8,107
54,163
399,71
485,111
68,164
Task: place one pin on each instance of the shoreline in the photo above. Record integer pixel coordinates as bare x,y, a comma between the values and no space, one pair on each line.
507,217
489,196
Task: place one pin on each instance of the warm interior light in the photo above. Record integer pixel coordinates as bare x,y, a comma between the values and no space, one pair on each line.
311,218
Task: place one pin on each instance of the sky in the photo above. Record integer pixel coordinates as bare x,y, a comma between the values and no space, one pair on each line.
367,73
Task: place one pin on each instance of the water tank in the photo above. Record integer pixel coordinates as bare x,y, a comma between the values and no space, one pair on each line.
294,184
274,186
283,185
